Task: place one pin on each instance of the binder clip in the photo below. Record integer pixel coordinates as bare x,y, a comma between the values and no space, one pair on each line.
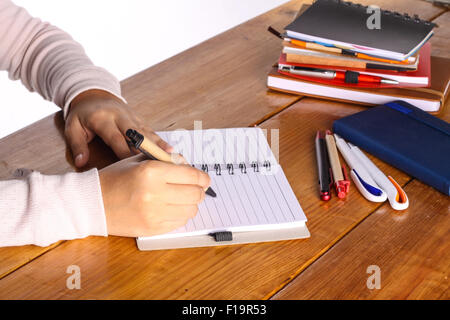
222,236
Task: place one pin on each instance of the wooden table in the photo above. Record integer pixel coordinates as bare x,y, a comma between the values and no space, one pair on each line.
223,83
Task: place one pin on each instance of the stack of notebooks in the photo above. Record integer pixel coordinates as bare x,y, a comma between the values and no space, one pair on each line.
336,50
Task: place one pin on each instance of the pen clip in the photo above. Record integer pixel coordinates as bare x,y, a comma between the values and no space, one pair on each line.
400,201
370,192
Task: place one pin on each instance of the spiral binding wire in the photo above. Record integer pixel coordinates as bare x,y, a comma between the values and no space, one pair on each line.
403,16
230,167
267,165
218,169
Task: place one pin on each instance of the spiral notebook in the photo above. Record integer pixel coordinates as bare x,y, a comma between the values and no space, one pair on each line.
254,203
356,27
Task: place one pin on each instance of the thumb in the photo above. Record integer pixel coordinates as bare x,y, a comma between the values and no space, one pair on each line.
78,141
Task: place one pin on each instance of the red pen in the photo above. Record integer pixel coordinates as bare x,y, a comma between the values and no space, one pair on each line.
356,77
346,76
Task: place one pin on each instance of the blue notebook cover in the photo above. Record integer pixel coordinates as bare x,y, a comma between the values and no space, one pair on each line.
404,136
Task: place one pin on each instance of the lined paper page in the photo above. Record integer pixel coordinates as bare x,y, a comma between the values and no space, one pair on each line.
251,194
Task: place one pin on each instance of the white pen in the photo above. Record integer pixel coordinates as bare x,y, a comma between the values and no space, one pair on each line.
362,178
396,196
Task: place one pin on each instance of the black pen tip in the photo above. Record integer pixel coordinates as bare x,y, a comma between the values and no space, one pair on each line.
211,192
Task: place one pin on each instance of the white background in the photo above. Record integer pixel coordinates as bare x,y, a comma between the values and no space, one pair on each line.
124,37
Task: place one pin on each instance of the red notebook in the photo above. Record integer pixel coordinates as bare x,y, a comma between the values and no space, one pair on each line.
407,79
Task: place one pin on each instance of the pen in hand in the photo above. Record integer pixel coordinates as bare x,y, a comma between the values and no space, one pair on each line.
154,152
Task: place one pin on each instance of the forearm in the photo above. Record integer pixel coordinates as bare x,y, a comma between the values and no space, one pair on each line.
41,209
46,59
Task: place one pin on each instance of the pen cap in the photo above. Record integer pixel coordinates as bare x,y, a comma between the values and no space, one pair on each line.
325,196
142,143
135,137
343,187
340,192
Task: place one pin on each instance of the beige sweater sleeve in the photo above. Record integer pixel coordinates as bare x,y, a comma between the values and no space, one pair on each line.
41,209
46,59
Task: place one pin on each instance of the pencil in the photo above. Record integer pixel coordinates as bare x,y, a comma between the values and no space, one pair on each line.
341,182
334,158
154,152
315,46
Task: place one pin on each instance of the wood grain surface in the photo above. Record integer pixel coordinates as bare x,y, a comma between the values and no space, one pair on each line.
223,83
441,38
113,268
412,250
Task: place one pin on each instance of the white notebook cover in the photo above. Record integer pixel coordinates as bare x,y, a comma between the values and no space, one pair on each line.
341,93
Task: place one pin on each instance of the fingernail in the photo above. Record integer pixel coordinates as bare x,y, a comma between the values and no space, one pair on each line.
78,159
167,147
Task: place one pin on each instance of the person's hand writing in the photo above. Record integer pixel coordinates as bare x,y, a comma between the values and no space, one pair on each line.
145,198
97,112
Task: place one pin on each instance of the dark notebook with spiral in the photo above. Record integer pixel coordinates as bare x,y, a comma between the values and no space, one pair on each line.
356,27
254,203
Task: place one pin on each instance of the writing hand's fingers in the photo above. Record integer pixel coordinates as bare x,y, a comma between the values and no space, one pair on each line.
182,194
178,159
181,174
78,141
